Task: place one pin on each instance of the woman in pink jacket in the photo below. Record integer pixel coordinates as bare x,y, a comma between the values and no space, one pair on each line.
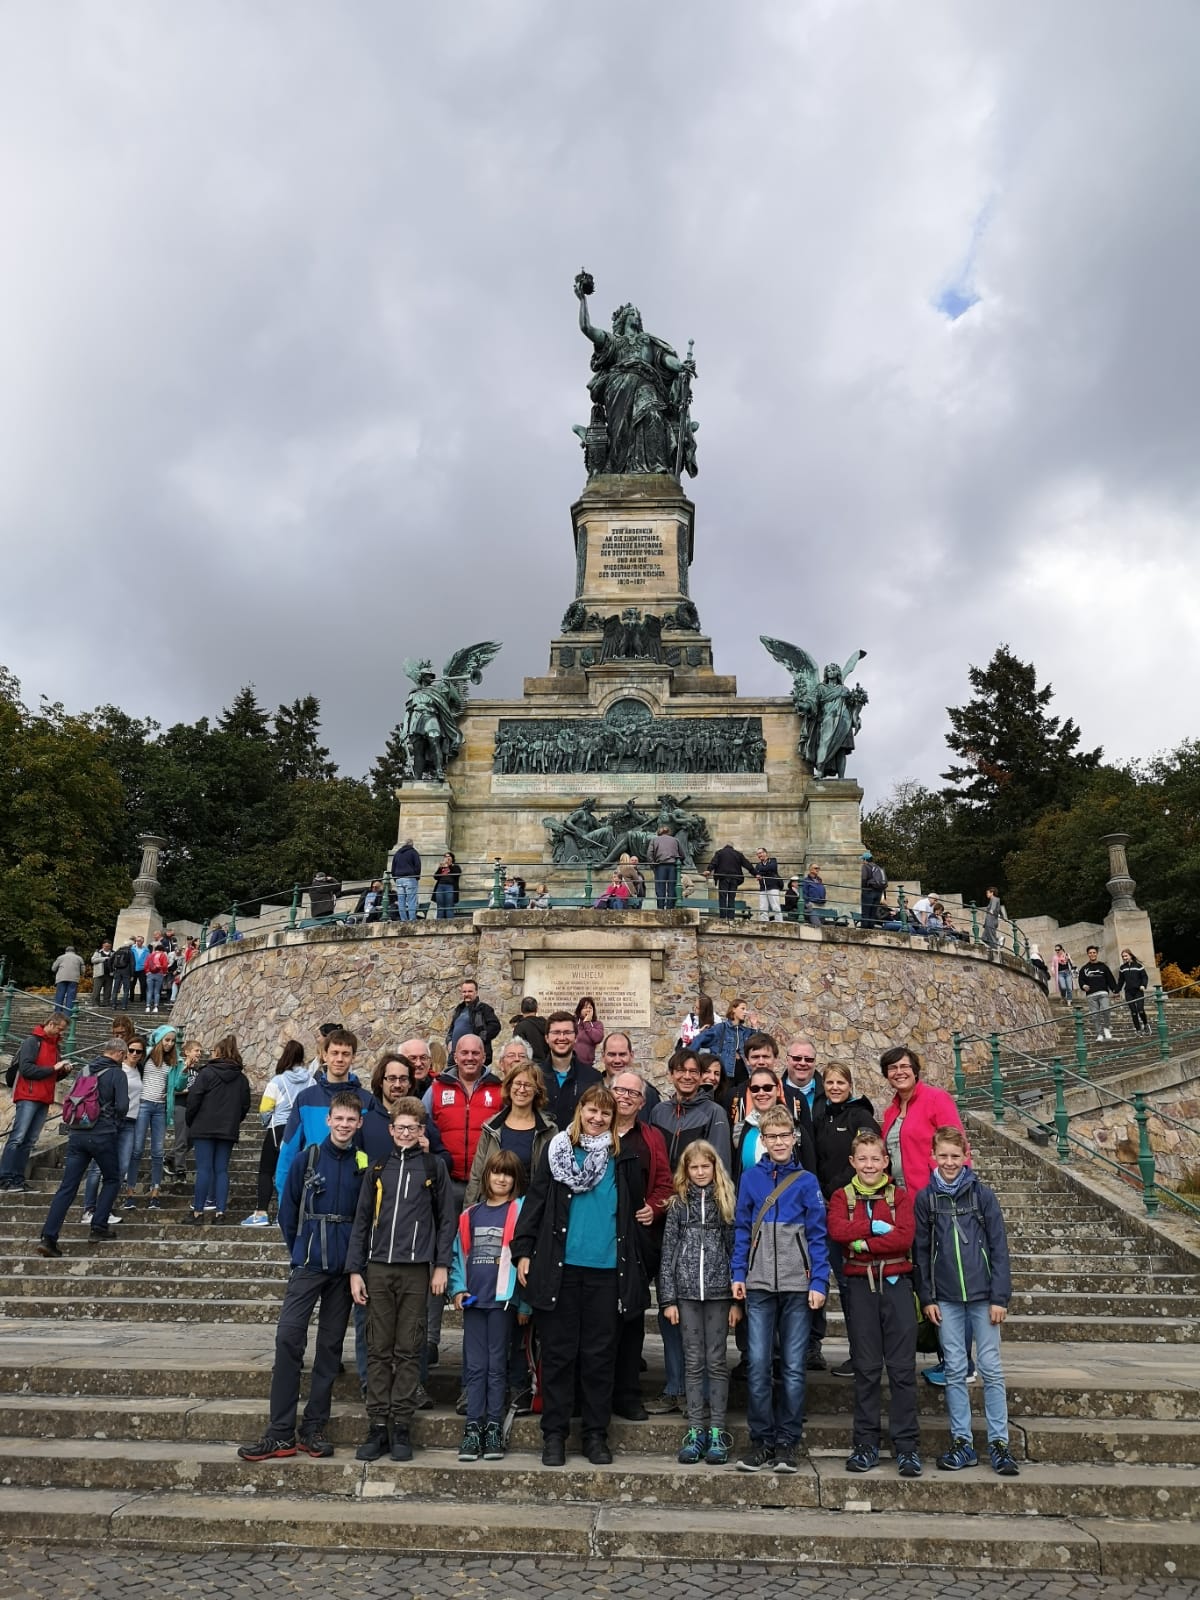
915,1114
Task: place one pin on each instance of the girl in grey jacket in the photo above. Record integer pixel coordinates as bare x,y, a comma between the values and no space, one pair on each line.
695,1292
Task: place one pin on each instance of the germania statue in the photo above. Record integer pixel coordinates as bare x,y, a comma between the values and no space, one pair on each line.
830,710
641,397
429,726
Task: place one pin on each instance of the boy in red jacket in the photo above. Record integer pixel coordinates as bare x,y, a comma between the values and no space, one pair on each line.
872,1219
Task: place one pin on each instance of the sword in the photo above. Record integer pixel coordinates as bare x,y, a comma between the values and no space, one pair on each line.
684,412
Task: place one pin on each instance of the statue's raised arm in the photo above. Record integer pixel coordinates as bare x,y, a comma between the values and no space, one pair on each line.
429,726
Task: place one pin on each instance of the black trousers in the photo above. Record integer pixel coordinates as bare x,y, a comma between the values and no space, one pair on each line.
268,1159
305,1288
727,889
627,1372
883,1332
584,1328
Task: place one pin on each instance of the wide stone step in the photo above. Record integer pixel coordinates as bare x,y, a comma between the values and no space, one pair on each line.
1074,1490
608,1530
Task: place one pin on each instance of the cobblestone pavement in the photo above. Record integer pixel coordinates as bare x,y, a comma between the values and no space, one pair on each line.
65,1573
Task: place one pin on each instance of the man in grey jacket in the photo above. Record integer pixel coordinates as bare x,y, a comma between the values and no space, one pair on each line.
67,970
666,856
691,1113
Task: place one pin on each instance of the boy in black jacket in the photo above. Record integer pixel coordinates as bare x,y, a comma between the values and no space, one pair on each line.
316,1209
960,1257
399,1253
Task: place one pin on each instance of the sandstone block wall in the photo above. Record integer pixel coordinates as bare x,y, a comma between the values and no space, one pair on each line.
855,993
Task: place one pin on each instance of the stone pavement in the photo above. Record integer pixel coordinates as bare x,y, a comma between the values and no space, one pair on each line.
114,1574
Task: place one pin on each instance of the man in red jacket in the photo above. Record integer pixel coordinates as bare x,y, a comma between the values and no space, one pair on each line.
37,1074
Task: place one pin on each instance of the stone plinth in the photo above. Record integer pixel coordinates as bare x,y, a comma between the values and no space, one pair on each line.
426,810
854,993
633,542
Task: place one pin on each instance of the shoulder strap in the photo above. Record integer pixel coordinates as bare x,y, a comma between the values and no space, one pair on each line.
780,1187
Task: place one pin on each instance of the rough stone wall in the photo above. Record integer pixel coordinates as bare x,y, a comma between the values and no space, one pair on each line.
855,993
1176,1150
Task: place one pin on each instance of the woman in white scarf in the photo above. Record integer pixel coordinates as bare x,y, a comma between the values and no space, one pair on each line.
577,1258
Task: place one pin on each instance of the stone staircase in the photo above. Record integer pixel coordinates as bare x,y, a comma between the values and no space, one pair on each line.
129,1371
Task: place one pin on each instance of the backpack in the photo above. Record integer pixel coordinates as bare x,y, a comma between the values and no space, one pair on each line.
81,1108
877,876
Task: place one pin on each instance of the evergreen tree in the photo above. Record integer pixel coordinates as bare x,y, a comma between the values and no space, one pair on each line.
297,740
245,718
387,774
907,832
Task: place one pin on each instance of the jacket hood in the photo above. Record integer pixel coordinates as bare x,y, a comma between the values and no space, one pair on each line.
297,1077
226,1070
856,1102
322,1082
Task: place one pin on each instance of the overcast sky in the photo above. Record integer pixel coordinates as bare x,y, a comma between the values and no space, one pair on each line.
289,356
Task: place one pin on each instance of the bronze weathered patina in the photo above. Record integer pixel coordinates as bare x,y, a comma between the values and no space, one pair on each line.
585,839
829,709
429,726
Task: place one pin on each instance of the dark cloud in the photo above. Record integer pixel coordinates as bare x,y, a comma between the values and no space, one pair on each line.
289,359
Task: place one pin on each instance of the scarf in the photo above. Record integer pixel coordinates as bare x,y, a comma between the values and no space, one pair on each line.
943,1187
869,1191
563,1169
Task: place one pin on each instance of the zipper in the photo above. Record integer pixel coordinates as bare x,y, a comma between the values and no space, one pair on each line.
703,1224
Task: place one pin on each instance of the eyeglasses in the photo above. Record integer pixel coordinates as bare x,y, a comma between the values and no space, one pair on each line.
900,1066
390,1078
802,1058
636,1093
408,1129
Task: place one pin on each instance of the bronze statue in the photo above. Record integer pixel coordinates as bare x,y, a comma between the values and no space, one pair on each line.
429,726
641,397
830,711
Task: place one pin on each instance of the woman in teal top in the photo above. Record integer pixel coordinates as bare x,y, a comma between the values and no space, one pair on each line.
578,1262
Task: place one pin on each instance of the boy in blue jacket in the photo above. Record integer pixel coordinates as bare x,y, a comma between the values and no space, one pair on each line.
780,1268
316,1211
960,1255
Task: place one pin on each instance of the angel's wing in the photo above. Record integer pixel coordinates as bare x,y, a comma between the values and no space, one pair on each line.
412,668
852,663
470,661
791,656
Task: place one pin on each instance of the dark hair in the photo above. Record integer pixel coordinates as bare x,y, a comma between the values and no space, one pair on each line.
760,1041
890,1057
226,1049
529,1006
343,1036
704,1011
678,1057
346,1101
381,1067
559,1016
290,1056
585,1000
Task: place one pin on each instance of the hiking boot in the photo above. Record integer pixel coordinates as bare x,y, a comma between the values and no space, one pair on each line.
1002,1459
267,1449
787,1458
375,1444
595,1448
422,1401
471,1447
960,1455
401,1445
909,1463
48,1247
760,1459
844,1369
493,1442
719,1442
554,1450
662,1405
862,1458
815,1361
314,1443
101,1236
692,1448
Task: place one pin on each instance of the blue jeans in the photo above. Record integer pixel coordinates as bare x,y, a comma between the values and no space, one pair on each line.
154,983
960,1324
406,891
212,1172
673,1356
664,885
769,1424
64,997
152,1118
443,898
98,1145
124,1146
28,1117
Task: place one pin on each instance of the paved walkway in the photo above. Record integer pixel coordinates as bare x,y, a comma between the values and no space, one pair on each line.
135,1575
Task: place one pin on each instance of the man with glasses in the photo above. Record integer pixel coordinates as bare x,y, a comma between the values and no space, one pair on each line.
629,1091
616,1057
566,1077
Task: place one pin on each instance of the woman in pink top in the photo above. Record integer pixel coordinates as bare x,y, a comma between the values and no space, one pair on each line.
915,1114
588,1031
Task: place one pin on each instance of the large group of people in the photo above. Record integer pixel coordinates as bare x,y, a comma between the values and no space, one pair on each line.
544,1186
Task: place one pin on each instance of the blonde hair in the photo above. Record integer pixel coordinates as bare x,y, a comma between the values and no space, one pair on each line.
722,1186
836,1070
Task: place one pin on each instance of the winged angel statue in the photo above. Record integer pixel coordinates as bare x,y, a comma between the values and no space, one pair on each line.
429,726
829,709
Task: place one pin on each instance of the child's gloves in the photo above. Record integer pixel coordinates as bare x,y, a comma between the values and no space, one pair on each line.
858,1246
881,1227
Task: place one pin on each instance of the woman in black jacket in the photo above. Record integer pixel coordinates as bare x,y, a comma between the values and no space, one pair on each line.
217,1104
1131,982
838,1120
446,878
577,1258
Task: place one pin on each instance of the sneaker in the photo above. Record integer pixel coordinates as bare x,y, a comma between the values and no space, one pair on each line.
210,1205
909,1463
154,1203
422,1400
267,1449
863,1458
401,1445
719,1442
460,1405
816,1361
936,1375
960,1455
595,1448
129,1203
760,1459
972,1374
1002,1459
692,1448
48,1247
375,1444
86,1219
100,1235
662,1405
471,1447
256,1219
314,1443
493,1442
844,1369
193,1219
787,1458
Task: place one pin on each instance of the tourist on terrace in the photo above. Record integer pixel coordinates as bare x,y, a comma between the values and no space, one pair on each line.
589,1031
727,869
67,969
991,919
1098,985
766,870
406,871
728,1037
447,877
812,886
666,857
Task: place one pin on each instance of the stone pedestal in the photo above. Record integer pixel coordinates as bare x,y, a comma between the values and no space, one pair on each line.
425,818
141,915
1127,927
633,542
830,817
